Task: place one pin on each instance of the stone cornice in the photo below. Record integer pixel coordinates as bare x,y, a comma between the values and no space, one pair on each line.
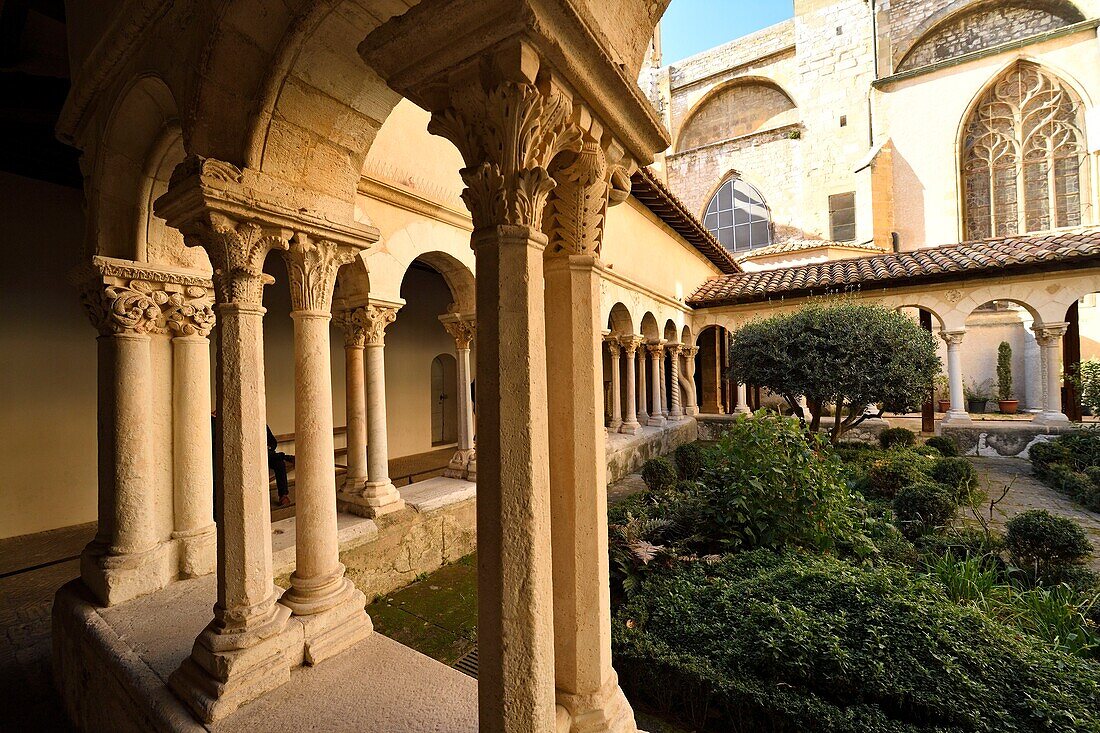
110,267
402,198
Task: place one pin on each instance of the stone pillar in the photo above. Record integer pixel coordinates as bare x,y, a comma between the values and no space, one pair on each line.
1049,336
616,421
587,686
463,464
378,496
642,390
656,356
675,411
248,648
957,415
690,352
326,602
630,425
742,400
355,402
711,397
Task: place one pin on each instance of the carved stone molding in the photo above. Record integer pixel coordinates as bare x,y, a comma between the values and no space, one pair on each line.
374,319
1051,333
613,345
462,330
952,338
237,251
578,206
655,350
355,333
126,298
630,344
312,266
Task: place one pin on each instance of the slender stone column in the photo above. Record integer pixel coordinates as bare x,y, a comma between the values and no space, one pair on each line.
957,414
641,390
742,400
355,402
630,424
656,355
463,464
665,393
378,496
616,421
675,411
690,352
328,605
1049,336
192,449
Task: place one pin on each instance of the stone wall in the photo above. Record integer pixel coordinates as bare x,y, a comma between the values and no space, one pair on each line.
628,455
1012,440
737,110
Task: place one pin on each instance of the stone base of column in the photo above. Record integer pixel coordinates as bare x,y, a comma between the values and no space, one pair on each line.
354,483
342,624
116,578
374,500
459,467
656,421
614,426
1050,418
691,411
226,671
742,410
630,428
643,418
956,417
197,551
675,416
605,711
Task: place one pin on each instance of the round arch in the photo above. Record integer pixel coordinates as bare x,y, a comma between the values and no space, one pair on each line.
649,327
734,85
619,320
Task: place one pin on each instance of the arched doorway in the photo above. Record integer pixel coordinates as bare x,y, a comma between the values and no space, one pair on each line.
444,400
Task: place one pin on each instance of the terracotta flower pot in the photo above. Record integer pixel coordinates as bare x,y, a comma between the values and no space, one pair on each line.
1008,407
944,405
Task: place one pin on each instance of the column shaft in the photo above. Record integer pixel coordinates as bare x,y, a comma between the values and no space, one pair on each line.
616,421
192,456
689,377
356,416
742,399
630,424
463,464
675,410
643,400
656,416
957,414
1050,340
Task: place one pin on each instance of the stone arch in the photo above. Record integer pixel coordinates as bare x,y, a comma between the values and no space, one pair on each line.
917,302
649,327
459,279
686,337
670,334
353,282
139,141
971,25
619,320
736,108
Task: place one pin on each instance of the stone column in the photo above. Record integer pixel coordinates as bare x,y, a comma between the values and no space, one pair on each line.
587,686
326,602
616,384
656,356
191,321
355,402
463,464
711,398
742,400
378,496
1049,336
630,425
248,649
675,411
690,352
957,414
641,390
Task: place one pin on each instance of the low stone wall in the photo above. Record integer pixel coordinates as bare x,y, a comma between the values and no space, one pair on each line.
627,453
1002,440
714,427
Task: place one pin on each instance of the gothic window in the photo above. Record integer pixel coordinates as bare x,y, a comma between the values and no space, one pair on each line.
738,217
1023,156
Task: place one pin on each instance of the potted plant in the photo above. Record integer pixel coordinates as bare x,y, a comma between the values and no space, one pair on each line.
1006,401
942,388
976,396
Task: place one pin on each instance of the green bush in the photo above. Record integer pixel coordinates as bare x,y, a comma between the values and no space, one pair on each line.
1075,484
658,473
1045,455
1082,447
1093,472
923,508
896,438
958,475
927,451
945,446
689,460
1044,544
790,643
962,542
896,470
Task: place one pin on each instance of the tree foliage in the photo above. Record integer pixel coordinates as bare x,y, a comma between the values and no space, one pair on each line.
845,355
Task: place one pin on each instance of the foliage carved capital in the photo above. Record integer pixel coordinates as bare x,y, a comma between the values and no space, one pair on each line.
952,338
462,330
1051,333
630,344
237,251
373,320
312,266
137,306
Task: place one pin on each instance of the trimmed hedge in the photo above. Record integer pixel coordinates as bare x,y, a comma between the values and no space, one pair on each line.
945,446
1045,544
958,475
897,438
689,460
923,508
658,473
899,468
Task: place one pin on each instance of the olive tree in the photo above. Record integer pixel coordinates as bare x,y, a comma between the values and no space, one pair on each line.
845,355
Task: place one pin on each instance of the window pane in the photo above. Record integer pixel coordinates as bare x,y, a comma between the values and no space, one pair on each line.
738,217
760,234
725,219
725,197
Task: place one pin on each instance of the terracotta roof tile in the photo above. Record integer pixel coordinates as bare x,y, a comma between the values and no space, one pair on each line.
984,258
800,245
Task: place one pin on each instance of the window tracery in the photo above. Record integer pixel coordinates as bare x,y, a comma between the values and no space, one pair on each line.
1023,156
738,217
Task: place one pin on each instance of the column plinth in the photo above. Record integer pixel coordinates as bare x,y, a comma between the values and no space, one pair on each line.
742,400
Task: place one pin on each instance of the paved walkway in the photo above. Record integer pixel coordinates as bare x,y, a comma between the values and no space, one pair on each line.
1027,492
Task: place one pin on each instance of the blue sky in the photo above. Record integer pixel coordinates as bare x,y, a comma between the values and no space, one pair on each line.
691,26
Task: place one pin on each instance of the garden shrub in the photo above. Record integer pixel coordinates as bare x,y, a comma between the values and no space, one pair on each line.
689,460
896,470
787,643
962,542
945,446
957,474
924,507
1093,472
658,473
896,438
1045,455
1044,544
1075,484
926,451
1082,447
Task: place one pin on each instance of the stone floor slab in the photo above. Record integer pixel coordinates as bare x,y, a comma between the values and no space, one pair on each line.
436,493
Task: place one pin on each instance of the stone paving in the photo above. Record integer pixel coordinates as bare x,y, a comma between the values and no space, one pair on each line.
1027,492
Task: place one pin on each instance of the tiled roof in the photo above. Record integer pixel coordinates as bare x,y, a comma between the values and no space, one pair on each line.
984,258
801,245
656,197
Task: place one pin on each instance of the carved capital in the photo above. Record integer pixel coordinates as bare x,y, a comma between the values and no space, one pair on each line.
613,345
508,132
952,338
117,305
1050,333
374,319
631,343
578,207
690,352
462,330
674,350
655,350
355,333
312,266
237,252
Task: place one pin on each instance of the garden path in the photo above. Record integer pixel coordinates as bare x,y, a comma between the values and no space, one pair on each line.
1028,492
